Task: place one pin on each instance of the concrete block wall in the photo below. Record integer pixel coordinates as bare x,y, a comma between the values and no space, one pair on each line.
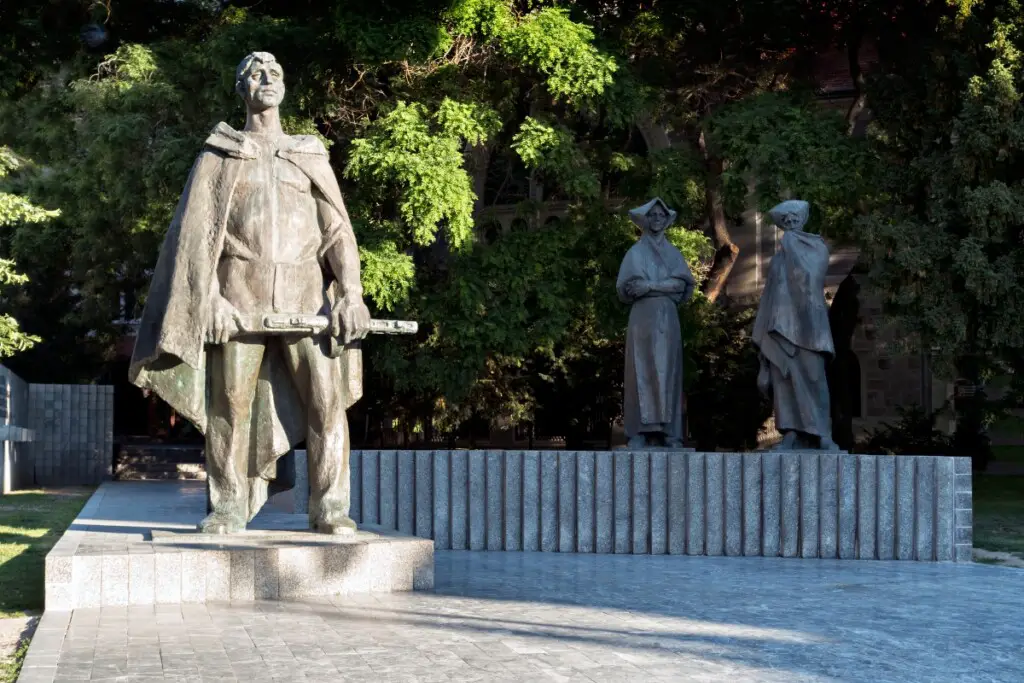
812,505
73,426
15,461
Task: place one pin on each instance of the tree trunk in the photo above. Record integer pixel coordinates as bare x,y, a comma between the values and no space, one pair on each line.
843,318
857,76
726,251
655,134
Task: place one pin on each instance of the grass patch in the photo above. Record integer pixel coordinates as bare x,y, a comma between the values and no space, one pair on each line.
10,668
999,514
31,522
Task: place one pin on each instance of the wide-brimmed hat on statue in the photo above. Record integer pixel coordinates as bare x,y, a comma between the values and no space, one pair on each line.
639,214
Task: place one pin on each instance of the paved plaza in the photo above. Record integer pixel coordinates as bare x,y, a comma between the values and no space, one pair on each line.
555,617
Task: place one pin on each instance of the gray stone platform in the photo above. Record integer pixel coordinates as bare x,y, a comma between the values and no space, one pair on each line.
134,543
560,617
800,504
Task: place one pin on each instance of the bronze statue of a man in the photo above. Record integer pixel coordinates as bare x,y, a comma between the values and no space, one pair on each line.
260,229
792,333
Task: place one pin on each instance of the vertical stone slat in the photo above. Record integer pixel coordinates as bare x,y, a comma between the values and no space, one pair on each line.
771,497
925,505
659,502
495,505
585,471
885,520
905,506
460,500
733,504
477,500
847,507
623,501
567,502
549,502
531,501
867,507
809,504
945,509
695,497
641,503
371,480
604,503
714,508
513,500
442,500
677,503
355,469
752,504
425,494
406,491
790,512
390,493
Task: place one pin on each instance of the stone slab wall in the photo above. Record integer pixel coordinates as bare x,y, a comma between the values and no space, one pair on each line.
74,433
15,461
812,505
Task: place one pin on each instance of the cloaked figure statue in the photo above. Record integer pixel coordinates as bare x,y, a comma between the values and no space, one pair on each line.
792,333
654,279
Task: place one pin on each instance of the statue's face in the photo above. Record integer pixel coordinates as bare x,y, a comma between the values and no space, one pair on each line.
262,85
657,219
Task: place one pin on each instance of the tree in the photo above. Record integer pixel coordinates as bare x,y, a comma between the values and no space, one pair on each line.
14,210
946,247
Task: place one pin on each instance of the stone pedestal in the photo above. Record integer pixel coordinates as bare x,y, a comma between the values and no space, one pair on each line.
134,543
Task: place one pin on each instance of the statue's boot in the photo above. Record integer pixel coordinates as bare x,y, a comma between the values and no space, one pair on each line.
222,522
673,443
333,522
638,441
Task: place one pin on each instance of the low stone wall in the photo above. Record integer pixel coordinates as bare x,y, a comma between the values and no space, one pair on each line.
73,426
812,505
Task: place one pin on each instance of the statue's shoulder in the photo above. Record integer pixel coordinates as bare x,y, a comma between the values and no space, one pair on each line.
306,144
226,140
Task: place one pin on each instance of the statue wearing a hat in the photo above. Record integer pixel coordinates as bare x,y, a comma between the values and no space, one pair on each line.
792,333
654,279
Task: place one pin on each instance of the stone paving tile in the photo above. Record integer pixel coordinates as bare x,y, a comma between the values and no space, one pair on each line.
554,617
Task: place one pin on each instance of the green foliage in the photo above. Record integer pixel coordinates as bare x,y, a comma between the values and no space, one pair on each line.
562,50
914,433
723,405
552,150
421,156
795,149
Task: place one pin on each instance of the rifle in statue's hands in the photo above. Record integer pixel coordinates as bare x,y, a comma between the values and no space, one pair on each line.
315,326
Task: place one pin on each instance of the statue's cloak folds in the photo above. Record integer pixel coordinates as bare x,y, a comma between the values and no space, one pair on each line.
170,355
792,314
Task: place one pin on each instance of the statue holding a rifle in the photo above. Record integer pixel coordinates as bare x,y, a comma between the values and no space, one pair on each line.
255,312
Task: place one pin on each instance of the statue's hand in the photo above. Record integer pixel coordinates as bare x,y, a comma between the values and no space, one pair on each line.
350,320
764,377
639,288
225,321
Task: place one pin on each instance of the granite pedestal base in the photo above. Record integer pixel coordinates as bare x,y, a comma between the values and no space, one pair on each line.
135,543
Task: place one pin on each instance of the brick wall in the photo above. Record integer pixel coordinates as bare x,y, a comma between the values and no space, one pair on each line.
73,433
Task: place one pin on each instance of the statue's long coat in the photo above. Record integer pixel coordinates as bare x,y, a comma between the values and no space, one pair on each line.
653,382
792,332
170,356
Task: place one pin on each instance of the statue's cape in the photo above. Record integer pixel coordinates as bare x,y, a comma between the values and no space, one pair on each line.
170,356
792,313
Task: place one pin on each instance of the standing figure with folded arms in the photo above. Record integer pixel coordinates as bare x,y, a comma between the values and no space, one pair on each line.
260,230
654,279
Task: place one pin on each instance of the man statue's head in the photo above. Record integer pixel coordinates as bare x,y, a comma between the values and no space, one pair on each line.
259,79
